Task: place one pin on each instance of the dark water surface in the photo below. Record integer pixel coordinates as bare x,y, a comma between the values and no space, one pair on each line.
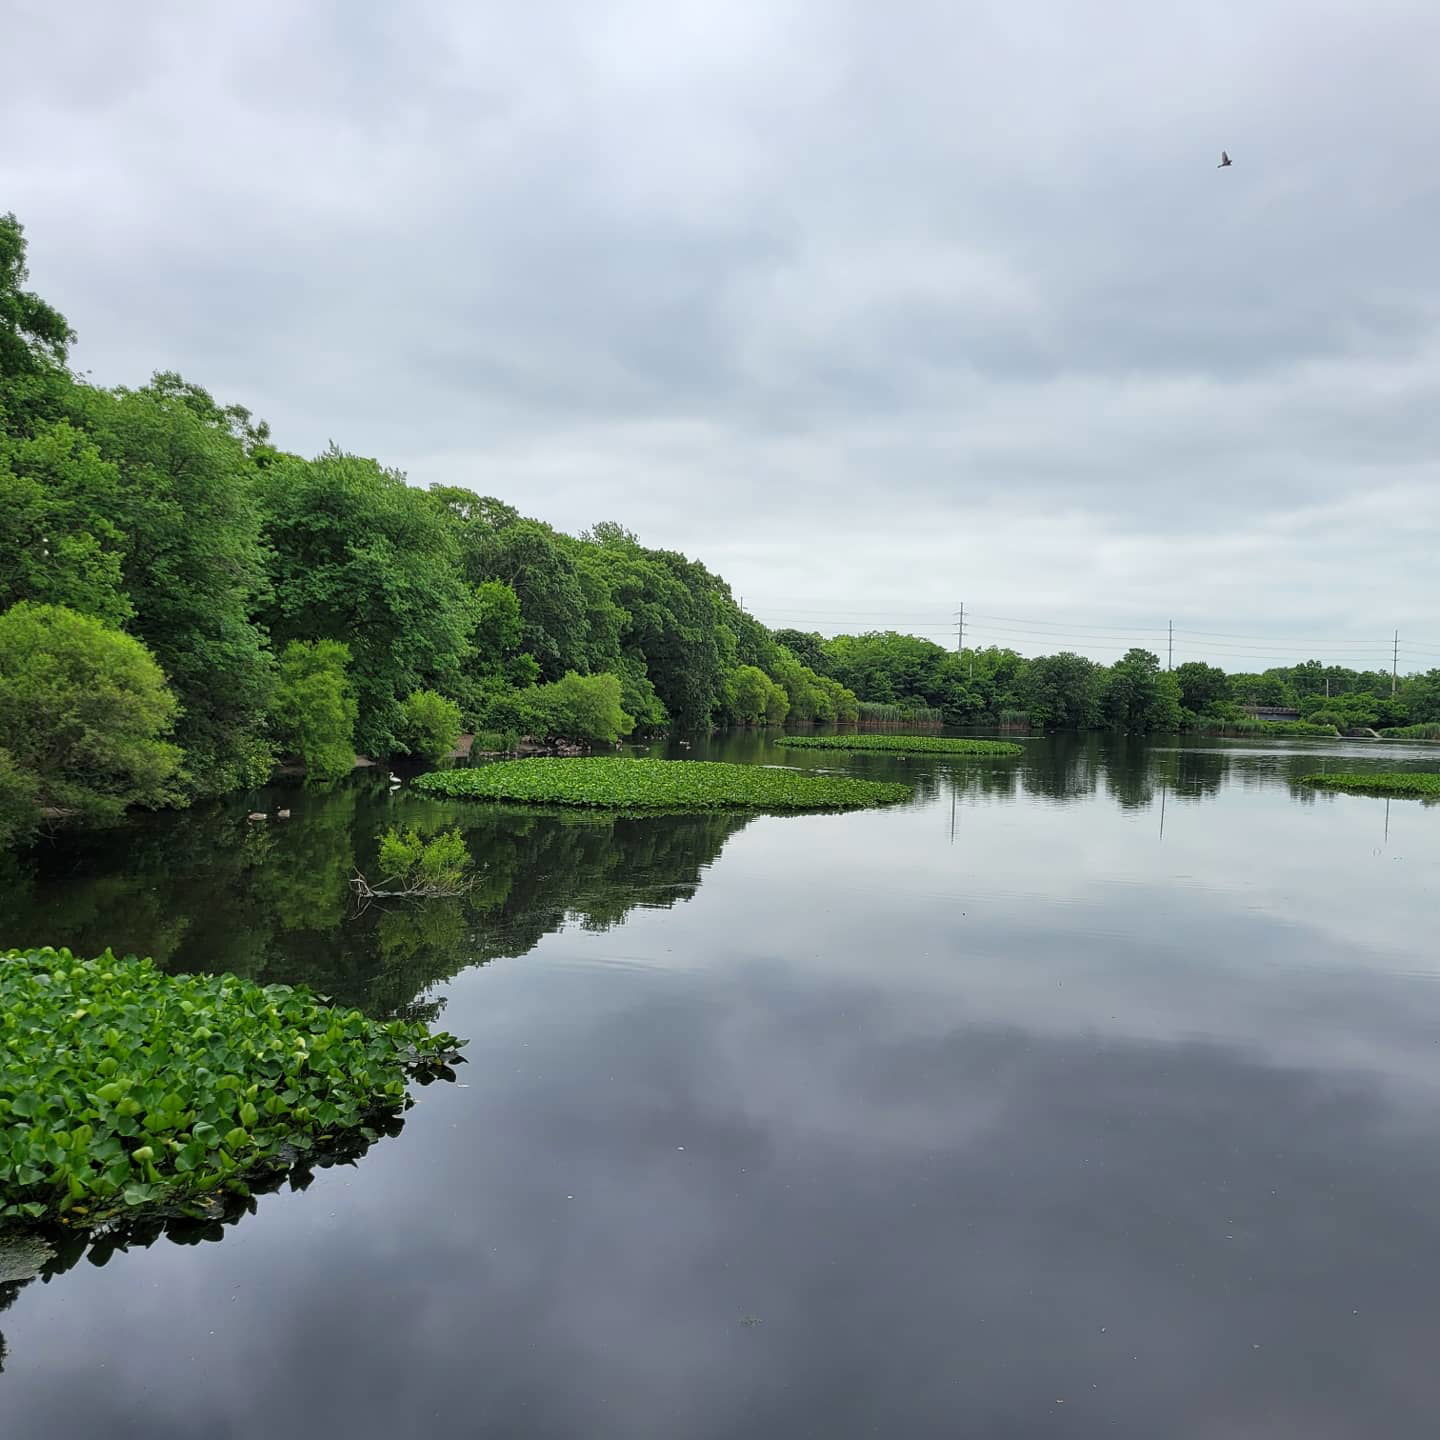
1091,1094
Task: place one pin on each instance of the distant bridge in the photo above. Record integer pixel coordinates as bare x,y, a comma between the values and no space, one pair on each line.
1271,712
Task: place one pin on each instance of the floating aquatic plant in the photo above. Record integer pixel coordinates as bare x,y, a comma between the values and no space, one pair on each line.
122,1087
658,785
1421,783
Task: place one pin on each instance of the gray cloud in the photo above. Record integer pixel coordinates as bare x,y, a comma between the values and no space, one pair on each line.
870,310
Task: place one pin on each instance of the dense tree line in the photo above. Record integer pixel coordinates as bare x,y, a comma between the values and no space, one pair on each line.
182,604
1135,694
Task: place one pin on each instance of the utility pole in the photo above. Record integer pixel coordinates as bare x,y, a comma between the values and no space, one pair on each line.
960,630
1394,662
1170,653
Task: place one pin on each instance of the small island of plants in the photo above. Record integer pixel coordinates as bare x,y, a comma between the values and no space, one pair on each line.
904,744
617,784
126,1090
1422,784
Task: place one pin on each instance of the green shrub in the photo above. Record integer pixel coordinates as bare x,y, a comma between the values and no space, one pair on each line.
1278,729
870,712
657,785
314,707
1429,731
495,742
83,713
753,698
430,724
904,744
123,1088
424,867
585,709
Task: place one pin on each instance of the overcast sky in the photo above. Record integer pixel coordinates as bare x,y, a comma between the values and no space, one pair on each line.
873,308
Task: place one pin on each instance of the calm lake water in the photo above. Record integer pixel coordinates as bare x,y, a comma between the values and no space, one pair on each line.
1094,1093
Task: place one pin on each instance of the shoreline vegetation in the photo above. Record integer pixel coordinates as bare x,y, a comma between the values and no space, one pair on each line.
1413,784
658,785
185,606
902,744
125,1090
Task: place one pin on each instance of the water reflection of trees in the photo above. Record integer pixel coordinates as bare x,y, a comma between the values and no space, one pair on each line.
205,889
1135,772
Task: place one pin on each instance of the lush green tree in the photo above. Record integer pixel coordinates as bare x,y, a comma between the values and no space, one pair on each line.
1422,697
193,569
58,544
34,343
1202,686
84,711
1267,689
1062,692
583,708
1139,696
807,647
753,698
314,707
672,613
430,724
493,541
361,557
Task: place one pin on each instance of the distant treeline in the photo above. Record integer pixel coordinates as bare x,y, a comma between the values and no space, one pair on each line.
183,604
1135,694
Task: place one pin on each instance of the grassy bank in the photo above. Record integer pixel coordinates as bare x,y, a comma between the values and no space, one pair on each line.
1276,729
658,785
904,744
1421,784
124,1089
1411,732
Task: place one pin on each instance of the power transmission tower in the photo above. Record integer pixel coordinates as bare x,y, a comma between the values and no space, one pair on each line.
1394,663
1170,652
960,631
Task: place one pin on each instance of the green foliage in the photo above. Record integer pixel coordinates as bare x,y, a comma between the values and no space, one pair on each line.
430,724
123,1088
34,342
84,711
1423,784
193,566
1062,692
874,712
1139,697
902,744
812,696
495,742
1428,731
1201,686
314,707
807,647
362,557
19,802
753,698
58,545
435,866
584,709
657,785
1277,729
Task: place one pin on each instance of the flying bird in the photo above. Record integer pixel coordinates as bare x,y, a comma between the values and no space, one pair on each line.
1224,159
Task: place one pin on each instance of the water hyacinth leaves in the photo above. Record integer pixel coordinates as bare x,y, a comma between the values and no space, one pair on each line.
1419,784
123,1088
658,785
902,744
